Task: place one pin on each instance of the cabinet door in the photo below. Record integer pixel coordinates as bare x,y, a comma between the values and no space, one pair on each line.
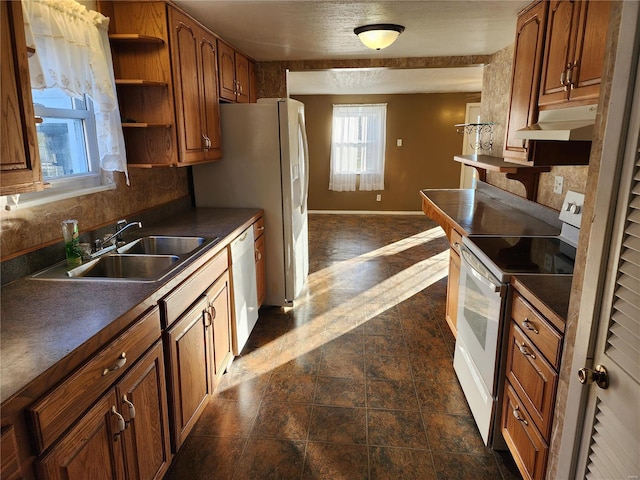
560,42
184,53
190,362
220,323
590,50
532,378
19,155
92,449
453,290
10,468
527,59
261,284
227,72
242,78
209,87
143,403
525,443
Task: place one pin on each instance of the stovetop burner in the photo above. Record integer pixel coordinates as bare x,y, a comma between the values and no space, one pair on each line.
541,255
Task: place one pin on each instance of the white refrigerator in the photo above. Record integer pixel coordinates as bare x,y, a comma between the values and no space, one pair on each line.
265,164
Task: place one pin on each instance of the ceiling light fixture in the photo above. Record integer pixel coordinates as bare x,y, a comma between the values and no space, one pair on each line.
378,36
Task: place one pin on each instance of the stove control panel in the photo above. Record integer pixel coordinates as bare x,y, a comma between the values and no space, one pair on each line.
571,212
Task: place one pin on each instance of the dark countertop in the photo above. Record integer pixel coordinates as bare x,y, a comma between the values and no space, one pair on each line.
486,211
548,293
47,321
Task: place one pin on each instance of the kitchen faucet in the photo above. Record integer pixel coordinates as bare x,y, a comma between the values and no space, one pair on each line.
121,226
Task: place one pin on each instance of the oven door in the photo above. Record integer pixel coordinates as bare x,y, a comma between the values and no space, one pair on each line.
481,306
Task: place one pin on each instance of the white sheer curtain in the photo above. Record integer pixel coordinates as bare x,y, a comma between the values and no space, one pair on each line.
73,54
358,143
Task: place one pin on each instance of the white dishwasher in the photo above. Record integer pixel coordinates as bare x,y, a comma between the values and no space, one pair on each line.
244,289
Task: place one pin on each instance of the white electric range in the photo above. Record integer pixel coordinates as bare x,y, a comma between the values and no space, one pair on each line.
487,264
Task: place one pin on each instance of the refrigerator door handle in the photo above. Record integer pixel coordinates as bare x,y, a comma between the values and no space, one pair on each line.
305,147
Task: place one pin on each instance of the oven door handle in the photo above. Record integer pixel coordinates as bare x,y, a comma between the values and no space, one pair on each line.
485,281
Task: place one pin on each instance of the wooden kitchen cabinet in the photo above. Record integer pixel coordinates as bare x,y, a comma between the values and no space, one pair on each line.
124,435
165,65
453,282
190,353
261,281
20,169
525,79
10,468
234,75
218,297
197,315
195,74
533,359
574,52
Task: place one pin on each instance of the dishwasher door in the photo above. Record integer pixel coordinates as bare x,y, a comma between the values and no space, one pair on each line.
244,289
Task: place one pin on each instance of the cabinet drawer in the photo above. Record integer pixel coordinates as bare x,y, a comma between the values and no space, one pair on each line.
527,446
258,227
181,298
546,338
54,413
532,378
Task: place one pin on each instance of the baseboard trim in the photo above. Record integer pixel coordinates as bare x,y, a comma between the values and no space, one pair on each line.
366,212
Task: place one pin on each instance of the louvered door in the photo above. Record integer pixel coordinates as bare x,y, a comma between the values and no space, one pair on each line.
611,438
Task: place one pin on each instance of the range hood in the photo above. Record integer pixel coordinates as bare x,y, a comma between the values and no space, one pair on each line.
563,124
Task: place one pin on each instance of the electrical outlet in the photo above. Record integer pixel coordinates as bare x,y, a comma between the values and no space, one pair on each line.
378,198
558,184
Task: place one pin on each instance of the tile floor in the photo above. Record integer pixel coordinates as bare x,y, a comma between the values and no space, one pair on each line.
354,382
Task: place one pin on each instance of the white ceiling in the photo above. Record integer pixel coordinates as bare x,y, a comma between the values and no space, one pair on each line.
269,30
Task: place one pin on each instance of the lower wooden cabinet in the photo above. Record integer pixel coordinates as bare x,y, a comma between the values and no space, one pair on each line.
125,431
190,359
10,468
218,297
453,282
526,444
533,357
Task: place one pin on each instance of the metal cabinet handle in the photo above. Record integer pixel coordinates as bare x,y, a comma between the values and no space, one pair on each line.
261,228
563,78
121,423
132,408
120,362
258,256
519,417
525,351
213,312
529,326
206,314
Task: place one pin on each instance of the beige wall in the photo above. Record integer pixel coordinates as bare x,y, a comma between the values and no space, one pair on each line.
424,122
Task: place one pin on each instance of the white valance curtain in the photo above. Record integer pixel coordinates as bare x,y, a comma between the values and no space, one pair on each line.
358,142
73,54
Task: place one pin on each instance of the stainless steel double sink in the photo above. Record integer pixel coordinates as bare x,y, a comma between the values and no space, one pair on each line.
145,259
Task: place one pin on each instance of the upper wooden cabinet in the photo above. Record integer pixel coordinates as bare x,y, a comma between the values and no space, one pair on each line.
574,51
235,74
525,80
195,73
166,73
20,159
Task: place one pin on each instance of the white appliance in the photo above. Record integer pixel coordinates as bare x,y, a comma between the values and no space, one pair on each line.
487,263
265,164
245,294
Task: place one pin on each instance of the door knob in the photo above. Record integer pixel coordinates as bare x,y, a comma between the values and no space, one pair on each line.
599,376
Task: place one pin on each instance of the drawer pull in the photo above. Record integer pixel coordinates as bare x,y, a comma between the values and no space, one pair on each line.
261,229
132,408
122,359
529,326
206,315
525,351
519,417
258,256
213,313
120,420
